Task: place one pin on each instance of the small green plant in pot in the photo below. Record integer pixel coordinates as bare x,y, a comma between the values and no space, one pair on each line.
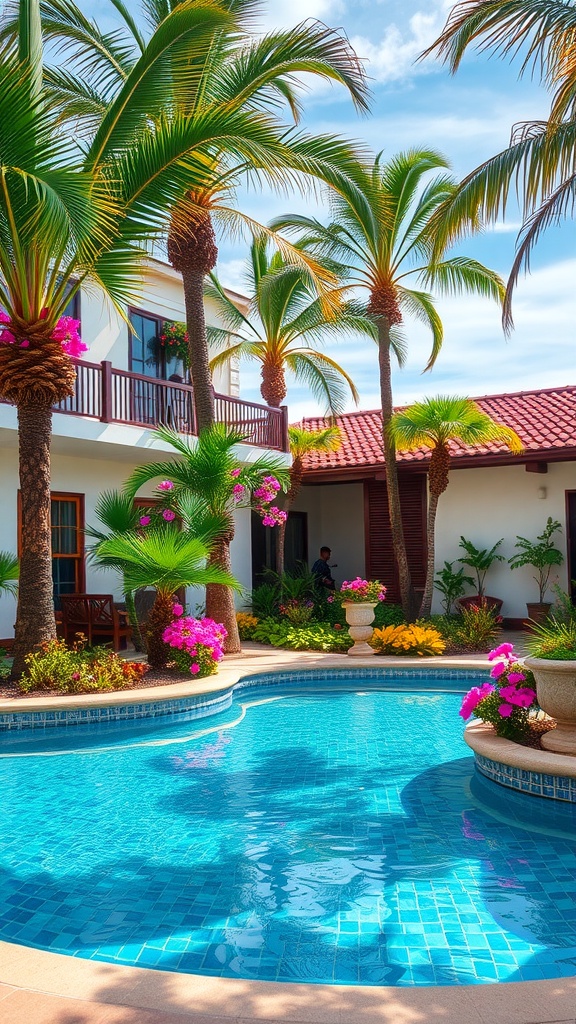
542,556
480,560
552,649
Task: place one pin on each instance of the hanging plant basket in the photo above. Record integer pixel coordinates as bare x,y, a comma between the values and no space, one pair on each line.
173,340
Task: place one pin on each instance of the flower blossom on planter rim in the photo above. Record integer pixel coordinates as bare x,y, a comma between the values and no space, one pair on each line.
473,698
360,590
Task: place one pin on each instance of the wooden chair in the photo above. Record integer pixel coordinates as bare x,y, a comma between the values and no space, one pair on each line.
96,616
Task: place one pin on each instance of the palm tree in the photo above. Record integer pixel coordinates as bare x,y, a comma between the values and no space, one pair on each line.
207,477
118,514
302,442
433,424
289,321
229,104
539,162
70,214
382,233
164,558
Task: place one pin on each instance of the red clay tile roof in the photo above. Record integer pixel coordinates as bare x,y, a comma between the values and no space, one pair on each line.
545,421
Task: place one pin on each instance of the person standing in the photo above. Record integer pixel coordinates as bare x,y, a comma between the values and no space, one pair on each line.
321,570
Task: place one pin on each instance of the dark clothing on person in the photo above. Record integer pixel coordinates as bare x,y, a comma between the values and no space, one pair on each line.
321,570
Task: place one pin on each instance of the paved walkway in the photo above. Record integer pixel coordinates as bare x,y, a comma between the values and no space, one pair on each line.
38,987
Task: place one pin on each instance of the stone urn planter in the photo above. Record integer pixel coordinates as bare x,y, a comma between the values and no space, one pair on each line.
360,616
556,693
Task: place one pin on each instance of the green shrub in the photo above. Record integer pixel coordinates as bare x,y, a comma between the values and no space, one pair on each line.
315,636
264,601
78,669
475,629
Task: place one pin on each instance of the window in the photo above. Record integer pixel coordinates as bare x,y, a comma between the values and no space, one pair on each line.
67,515
146,357
67,522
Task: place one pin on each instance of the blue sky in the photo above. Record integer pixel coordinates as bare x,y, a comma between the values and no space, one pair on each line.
468,118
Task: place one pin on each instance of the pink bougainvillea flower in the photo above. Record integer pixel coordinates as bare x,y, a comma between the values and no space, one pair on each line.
168,515
473,698
25,343
498,670
272,482
68,334
503,651
235,472
505,710
178,609
516,677
238,491
144,520
166,485
194,668
330,598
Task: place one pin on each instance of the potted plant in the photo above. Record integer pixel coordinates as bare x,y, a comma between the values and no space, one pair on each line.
359,598
480,560
541,555
552,660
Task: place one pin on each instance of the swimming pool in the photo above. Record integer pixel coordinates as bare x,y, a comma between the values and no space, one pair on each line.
340,836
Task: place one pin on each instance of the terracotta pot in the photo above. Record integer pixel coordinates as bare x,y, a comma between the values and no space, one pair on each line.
494,603
556,692
360,616
538,612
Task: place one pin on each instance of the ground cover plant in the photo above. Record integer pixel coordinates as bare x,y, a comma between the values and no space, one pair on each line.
78,669
408,639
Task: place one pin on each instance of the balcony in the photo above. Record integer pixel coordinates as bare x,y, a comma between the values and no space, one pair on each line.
117,396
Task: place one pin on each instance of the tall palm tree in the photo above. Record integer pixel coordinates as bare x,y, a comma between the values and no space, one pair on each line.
164,558
207,473
288,322
433,424
302,443
539,162
230,100
70,214
382,233
117,513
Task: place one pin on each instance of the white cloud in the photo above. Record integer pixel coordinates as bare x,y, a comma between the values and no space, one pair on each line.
505,227
286,13
393,58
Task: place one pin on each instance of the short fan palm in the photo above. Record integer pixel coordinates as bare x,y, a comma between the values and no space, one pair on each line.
164,558
433,424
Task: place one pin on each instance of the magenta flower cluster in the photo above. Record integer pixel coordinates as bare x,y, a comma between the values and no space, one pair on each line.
359,591
264,495
505,697
66,332
199,642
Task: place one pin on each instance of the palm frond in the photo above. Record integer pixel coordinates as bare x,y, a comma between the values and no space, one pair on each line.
325,378
421,306
9,572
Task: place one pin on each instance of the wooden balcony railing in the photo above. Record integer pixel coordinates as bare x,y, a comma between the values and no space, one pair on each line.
118,396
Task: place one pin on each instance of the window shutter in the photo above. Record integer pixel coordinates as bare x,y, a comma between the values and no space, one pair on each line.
380,563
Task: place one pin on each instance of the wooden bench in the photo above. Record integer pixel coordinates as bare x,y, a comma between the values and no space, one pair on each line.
96,616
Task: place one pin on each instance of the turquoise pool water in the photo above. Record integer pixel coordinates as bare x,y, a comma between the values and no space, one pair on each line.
338,837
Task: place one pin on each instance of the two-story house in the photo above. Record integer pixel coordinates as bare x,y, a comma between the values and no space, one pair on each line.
123,389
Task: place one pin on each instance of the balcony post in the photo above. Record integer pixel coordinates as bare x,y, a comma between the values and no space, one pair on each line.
106,393
284,428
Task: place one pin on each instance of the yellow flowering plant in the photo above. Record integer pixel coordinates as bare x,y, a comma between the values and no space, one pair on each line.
408,639
246,625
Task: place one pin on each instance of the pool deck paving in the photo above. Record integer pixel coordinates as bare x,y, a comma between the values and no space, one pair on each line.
39,987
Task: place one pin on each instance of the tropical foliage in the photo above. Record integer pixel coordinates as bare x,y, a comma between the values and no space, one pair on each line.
383,236
433,424
408,640
540,554
206,483
287,322
9,573
220,123
55,667
539,162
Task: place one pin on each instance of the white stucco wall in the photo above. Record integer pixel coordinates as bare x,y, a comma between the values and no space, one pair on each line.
484,505
336,519
90,476
160,293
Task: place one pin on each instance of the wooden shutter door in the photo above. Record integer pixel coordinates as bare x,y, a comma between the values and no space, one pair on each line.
380,563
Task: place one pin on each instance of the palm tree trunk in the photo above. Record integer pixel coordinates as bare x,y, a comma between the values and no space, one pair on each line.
160,617
193,282
220,599
273,388
192,250
394,508
426,606
280,542
35,621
